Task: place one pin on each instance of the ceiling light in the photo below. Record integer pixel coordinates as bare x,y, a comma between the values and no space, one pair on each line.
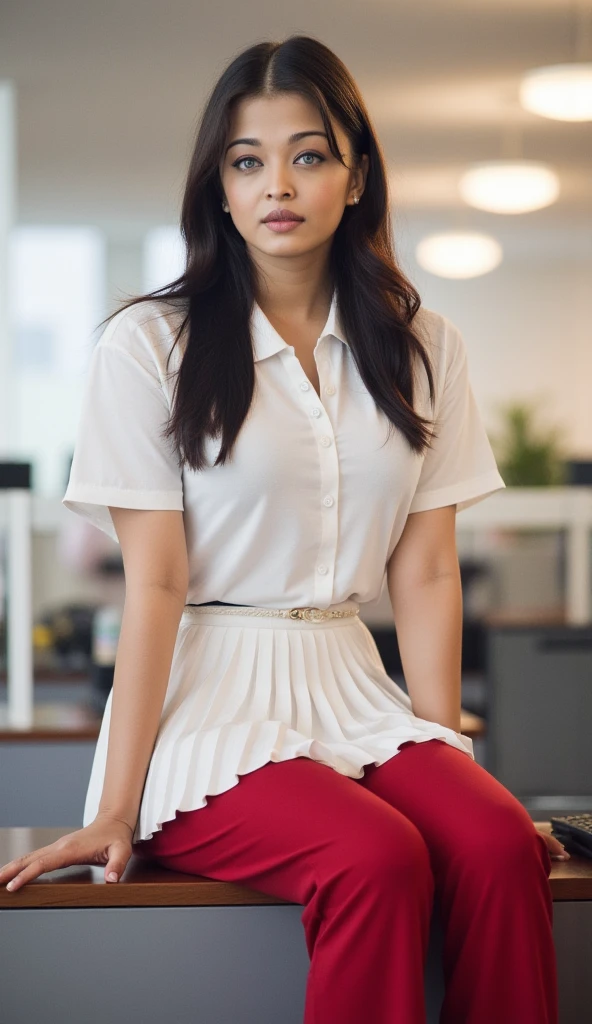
459,254
561,91
509,186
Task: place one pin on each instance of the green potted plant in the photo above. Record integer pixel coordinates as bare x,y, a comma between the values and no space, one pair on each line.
528,455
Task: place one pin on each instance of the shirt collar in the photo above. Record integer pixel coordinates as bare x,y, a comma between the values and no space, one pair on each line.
267,341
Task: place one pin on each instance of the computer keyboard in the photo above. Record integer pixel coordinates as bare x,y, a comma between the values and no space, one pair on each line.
575,832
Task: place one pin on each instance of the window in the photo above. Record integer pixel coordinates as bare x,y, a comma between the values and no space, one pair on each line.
58,289
164,257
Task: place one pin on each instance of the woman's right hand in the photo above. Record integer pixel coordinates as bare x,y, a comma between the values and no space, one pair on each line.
107,840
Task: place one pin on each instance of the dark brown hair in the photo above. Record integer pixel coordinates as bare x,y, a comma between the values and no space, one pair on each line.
377,303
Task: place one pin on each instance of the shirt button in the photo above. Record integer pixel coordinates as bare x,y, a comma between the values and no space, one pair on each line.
330,390
305,386
315,412
325,441
328,501
322,569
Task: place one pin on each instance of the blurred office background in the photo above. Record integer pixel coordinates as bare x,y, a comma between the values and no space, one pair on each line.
98,106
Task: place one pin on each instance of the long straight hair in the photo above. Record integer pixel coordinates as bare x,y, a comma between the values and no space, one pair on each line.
377,303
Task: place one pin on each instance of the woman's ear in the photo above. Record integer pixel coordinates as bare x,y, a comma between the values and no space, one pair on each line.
359,177
363,171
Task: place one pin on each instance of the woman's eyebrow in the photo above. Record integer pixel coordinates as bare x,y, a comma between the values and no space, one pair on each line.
257,142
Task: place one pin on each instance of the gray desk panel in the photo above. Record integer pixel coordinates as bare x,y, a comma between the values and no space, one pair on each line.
206,965
187,965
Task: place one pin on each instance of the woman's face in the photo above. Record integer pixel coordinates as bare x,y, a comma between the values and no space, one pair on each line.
270,172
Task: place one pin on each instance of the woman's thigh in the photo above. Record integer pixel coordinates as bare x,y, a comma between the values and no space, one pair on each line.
459,807
288,826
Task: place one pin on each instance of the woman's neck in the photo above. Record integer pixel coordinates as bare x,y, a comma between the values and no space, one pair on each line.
298,304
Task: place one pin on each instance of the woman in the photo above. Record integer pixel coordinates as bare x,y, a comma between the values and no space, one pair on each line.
321,435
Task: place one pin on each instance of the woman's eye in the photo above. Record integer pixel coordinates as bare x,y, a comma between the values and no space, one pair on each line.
242,160
316,155
308,163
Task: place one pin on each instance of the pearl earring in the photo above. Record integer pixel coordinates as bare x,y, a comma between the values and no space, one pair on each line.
225,206
356,200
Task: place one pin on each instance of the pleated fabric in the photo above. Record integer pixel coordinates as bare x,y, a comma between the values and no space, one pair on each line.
244,690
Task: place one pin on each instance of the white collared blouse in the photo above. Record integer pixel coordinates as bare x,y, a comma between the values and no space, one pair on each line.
314,500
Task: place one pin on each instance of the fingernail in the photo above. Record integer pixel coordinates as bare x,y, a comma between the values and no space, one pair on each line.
10,885
112,876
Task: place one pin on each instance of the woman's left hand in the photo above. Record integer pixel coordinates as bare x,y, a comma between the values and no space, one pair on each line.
556,849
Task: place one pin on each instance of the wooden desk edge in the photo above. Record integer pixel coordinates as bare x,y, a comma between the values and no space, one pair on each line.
146,885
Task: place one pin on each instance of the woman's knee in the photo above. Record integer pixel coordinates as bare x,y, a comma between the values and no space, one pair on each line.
504,838
387,852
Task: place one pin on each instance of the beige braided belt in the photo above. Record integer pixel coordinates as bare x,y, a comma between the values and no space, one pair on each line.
309,614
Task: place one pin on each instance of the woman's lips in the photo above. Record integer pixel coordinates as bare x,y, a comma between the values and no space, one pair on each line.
282,225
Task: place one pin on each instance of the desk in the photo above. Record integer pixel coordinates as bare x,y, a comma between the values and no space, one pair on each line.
164,946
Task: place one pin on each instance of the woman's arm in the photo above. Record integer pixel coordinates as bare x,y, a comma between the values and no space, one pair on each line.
423,577
156,576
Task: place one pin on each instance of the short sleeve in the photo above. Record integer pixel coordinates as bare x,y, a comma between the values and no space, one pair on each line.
460,467
119,456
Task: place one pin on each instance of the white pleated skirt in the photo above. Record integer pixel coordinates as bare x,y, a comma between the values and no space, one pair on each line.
245,690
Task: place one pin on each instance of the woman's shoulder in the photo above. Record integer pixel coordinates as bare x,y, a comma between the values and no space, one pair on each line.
440,335
435,325
443,345
146,330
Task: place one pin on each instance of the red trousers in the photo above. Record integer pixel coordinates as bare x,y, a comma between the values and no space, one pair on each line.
365,858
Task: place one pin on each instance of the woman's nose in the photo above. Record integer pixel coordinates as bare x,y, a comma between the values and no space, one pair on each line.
279,185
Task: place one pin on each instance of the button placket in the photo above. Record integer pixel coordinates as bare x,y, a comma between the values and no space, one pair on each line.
325,574
329,490
324,569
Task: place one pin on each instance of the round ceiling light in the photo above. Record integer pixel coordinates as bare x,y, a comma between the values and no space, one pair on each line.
509,186
459,254
561,91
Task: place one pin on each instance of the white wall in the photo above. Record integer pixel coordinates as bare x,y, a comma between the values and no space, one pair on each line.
527,326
